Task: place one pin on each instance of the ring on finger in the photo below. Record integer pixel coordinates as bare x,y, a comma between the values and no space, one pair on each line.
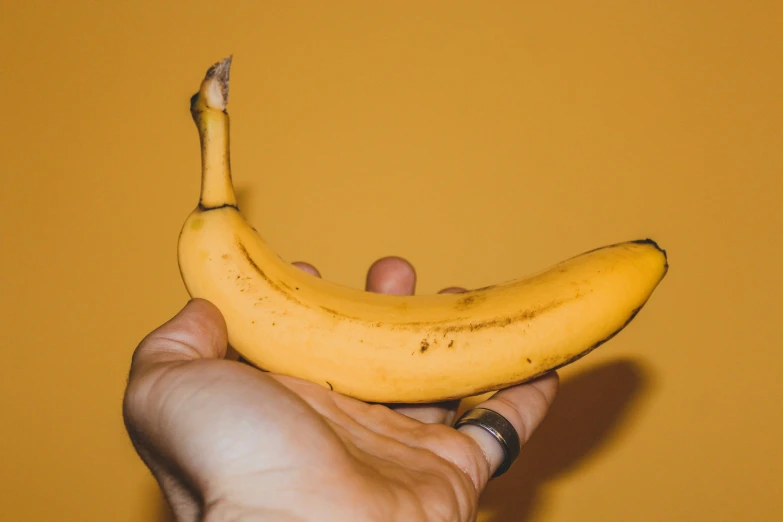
500,428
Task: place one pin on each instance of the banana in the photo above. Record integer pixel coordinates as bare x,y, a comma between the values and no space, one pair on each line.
394,349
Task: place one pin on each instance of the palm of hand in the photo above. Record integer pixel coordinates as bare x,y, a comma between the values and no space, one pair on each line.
227,441
300,441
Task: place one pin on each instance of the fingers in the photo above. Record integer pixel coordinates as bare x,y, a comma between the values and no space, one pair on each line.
429,413
198,331
391,275
307,267
524,406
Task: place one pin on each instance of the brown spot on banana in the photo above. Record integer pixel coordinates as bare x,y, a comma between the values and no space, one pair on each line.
524,315
469,301
266,278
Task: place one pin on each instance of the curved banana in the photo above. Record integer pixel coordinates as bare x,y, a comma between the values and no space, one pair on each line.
383,348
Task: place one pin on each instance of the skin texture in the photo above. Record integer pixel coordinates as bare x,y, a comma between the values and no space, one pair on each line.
227,442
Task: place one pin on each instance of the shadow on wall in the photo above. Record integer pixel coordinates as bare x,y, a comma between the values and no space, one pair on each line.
587,414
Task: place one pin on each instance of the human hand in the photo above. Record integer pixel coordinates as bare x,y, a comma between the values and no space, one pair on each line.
226,441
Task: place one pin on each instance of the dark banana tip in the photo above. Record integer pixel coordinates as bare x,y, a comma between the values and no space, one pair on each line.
220,72
648,241
654,244
214,88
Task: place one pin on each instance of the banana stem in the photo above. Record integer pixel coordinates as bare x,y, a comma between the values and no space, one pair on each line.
208,108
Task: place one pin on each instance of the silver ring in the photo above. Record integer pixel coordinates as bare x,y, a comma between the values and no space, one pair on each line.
499,427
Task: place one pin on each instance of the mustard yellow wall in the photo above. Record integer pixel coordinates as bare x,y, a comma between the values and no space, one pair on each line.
481,140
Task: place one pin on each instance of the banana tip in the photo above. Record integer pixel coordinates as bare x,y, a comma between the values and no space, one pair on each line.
651,242
654,244
215,84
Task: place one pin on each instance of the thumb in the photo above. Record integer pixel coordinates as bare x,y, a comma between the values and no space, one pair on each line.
198,331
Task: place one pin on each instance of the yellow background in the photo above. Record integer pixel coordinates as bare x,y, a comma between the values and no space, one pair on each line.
481,140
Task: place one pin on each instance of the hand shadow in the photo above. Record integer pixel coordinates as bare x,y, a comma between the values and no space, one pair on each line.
586,415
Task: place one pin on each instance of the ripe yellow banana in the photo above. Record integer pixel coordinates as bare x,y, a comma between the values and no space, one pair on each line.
383,348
